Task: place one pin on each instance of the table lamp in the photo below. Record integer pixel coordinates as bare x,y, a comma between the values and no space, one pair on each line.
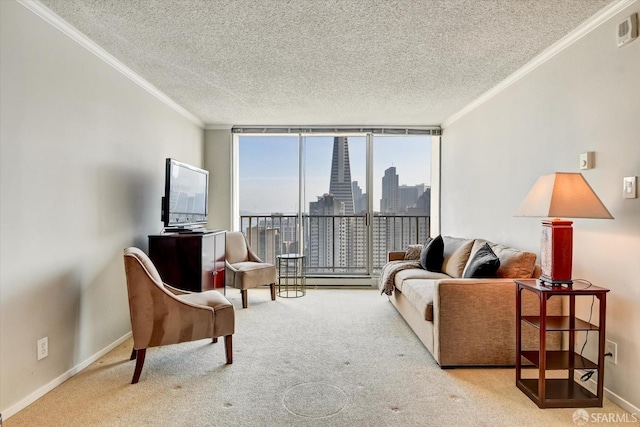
558,195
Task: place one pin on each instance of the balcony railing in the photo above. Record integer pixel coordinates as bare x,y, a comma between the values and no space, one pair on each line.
334,244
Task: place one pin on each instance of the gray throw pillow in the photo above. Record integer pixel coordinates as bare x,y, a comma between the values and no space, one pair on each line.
483,264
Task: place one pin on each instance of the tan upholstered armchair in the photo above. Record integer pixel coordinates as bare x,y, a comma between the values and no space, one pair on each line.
162,315
244,270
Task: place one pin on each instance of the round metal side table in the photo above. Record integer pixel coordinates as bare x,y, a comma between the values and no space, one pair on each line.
291,275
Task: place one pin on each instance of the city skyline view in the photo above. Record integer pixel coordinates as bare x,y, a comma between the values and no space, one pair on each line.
269,173
334,234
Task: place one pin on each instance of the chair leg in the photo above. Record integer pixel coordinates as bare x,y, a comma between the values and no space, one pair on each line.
228,347
140,354
214,340
244,298
133,354
273,292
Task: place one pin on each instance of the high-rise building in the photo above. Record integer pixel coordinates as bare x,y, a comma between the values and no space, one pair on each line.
340,184
359,198
408,196
423,204
324,249
379,242
389,200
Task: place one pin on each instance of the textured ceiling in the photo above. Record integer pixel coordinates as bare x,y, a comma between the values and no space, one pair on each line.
324,62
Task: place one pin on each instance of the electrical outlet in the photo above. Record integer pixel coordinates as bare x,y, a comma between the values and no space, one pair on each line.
611,347
42,348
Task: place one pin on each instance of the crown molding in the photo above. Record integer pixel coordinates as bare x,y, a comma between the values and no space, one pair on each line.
585,28
50,17
210,126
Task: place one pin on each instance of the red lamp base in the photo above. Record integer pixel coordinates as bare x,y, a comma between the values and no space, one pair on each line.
556,252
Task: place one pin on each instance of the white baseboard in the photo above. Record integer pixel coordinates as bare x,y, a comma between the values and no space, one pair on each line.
627,406
7,413
591,386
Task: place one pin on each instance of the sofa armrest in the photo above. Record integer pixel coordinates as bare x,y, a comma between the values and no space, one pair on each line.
475,321
395,255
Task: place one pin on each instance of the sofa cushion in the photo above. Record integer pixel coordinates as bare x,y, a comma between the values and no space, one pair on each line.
514,263
484,263
419,292
432,254
416,273
456,255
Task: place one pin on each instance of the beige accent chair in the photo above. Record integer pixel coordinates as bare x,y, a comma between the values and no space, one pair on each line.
244,269
163,315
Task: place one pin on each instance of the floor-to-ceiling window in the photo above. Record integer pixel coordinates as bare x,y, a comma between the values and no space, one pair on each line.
268,191
343,199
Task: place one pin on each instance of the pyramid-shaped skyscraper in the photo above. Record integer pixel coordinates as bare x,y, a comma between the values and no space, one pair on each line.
340,185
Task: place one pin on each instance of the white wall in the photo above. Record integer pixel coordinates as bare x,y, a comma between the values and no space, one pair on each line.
82,174
586,98
218,161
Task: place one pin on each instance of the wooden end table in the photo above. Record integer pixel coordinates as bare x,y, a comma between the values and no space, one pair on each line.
559,392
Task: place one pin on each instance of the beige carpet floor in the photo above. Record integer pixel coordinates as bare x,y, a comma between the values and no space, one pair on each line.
331,358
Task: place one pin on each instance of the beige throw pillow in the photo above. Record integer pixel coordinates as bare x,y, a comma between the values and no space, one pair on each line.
456,255
413,252
514,263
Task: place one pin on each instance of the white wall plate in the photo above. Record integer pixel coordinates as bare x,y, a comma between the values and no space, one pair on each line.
629,187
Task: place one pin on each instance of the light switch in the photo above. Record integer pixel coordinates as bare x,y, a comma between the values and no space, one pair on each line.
629,187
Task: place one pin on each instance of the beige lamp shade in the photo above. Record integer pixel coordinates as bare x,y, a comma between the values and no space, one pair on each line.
566,195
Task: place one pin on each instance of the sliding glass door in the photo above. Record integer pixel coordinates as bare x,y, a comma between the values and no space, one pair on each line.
335,207
402,193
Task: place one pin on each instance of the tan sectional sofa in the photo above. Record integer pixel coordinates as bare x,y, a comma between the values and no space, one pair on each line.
468,322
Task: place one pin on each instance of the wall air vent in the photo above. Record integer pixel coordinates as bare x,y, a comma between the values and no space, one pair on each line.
628,30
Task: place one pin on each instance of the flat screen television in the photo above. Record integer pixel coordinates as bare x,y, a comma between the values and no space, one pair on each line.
185,202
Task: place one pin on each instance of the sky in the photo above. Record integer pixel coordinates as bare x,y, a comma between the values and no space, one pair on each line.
269,168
